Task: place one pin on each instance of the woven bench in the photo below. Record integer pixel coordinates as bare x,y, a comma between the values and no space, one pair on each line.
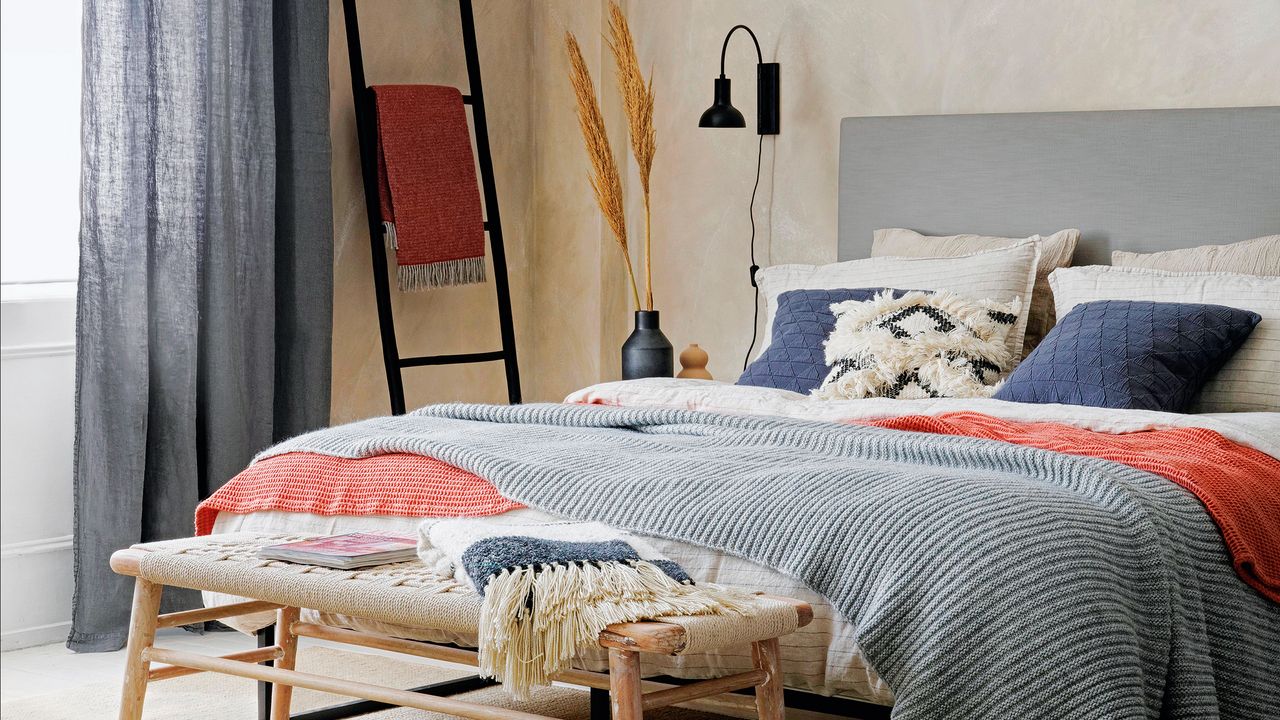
407,594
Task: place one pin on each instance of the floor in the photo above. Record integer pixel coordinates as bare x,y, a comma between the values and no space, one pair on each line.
51,668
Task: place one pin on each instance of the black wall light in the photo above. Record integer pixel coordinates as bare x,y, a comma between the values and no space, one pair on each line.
722,113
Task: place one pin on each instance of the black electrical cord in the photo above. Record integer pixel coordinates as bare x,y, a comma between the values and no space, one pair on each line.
751,211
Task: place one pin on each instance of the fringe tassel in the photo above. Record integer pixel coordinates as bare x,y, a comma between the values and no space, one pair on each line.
441,274
389,234
533,622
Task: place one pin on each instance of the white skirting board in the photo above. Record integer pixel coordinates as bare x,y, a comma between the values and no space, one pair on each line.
35,636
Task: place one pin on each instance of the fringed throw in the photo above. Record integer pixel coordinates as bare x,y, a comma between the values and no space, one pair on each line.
427,187
550,589
441,274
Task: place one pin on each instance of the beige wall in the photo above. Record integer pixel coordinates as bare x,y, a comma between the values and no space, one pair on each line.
870,57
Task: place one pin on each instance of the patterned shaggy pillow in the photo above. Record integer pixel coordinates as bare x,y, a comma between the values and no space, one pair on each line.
918,345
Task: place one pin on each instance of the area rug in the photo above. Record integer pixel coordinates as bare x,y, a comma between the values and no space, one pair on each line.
206,696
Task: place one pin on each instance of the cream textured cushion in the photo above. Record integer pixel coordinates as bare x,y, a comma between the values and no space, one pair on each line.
920,345
1055,252
1250,381
1259,256
1001,275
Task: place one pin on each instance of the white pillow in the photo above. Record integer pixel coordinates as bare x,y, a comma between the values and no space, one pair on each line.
1055,252
1250,381
1002,275
1259,256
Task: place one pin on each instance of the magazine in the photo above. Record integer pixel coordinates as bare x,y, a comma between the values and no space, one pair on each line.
344,552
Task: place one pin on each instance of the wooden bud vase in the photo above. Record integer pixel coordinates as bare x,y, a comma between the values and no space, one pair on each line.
647,353
693,363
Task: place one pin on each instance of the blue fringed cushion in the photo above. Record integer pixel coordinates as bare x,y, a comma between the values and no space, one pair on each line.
1130,354
794,359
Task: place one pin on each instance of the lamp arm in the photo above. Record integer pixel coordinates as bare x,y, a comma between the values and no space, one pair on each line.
725,48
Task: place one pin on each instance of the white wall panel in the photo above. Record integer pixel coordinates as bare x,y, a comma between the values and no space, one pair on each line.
37,416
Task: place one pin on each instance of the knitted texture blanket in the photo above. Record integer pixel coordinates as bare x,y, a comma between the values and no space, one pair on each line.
984,579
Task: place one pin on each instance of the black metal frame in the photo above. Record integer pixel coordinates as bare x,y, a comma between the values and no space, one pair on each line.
356,708
792,699
367,129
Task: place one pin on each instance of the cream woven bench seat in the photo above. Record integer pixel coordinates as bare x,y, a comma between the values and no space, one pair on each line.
407,594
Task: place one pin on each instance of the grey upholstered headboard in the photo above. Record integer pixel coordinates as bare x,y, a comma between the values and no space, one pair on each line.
1141,180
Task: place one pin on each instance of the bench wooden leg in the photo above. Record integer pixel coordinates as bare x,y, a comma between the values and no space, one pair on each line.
282,695
142,634
625,700
769,697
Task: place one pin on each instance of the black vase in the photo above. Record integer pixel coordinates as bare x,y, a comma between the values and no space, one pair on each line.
647,353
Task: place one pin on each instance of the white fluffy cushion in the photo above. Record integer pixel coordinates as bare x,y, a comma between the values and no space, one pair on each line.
917,346
1004,275
1055,252
1250,381
1259,256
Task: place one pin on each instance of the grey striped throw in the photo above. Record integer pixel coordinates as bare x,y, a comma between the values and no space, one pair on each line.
985,580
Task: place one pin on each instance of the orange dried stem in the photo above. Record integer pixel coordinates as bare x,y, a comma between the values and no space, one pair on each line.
606,182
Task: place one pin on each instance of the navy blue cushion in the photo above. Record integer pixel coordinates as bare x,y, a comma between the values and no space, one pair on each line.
1130,354
794,359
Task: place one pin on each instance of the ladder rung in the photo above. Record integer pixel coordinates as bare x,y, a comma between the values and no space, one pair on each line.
452,359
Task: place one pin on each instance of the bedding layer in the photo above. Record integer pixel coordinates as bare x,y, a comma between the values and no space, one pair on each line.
1239,486
949,555
1258,430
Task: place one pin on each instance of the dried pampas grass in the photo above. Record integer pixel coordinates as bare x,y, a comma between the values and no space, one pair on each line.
637,98
605,180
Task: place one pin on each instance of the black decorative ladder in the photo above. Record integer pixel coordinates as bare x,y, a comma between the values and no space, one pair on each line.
367,129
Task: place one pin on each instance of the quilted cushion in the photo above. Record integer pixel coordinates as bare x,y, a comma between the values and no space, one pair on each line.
1130,354
794,358
1248,382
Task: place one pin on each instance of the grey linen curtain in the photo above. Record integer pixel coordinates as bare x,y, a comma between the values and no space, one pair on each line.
206,250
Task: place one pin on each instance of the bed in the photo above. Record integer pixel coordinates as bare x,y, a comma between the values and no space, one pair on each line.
1133,180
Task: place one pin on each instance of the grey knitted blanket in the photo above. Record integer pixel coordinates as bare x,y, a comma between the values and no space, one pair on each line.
985,580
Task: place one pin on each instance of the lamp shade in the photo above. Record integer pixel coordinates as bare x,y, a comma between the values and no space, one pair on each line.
722,113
